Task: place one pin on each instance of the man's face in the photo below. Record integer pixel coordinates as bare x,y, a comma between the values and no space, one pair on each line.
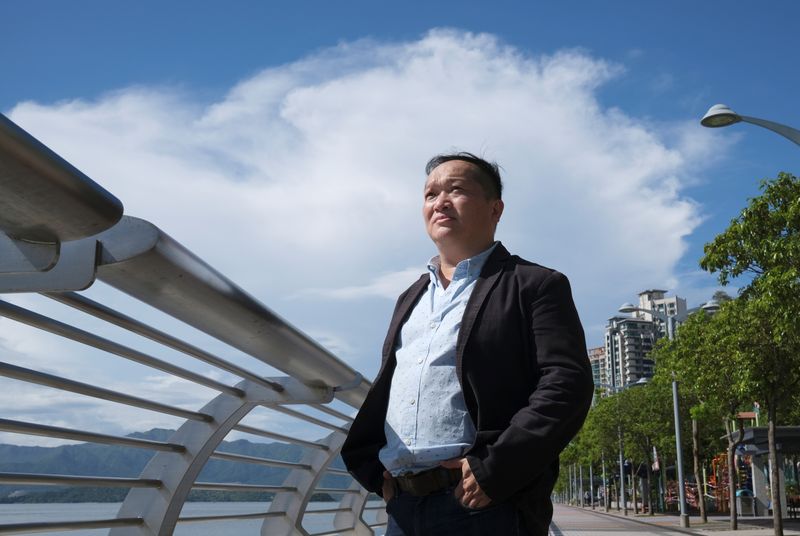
456,209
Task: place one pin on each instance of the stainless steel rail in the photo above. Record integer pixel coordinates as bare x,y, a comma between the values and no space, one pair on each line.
70,332
56,480
21,528
45,198
18,427
59,232
41,378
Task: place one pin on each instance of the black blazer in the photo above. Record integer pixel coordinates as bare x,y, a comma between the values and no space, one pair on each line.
522,364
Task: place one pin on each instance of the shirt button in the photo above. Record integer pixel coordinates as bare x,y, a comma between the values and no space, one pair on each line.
408,441
420,360
413,402
433,325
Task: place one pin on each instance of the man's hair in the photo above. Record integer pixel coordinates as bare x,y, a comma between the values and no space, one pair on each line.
488,172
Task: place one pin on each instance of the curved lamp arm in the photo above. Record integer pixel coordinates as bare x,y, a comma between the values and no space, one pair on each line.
720,115
787,132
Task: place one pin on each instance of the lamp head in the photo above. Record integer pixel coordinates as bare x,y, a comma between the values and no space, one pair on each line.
719,115
711,306
627,308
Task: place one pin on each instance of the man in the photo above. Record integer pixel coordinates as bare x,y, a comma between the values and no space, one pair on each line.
484,379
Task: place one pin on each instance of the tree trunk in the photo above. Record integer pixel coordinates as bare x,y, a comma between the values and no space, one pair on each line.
774,474
650,490
663,470
731,475
633,492
701,498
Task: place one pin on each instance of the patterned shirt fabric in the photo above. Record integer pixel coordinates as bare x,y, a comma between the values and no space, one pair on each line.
427,419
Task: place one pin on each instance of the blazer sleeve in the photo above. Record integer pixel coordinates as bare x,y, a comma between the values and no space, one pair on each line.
556,408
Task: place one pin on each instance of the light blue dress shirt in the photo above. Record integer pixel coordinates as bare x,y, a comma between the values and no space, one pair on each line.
427,419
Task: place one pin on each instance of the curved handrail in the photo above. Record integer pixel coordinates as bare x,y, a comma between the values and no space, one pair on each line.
45,198
140,259
45,201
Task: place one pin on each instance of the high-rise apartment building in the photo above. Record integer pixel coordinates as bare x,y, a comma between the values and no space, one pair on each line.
655,300
628,343
629,339
597,357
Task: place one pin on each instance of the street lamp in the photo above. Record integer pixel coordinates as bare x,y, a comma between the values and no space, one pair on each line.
720,115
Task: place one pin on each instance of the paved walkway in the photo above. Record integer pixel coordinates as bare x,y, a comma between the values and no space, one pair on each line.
574,521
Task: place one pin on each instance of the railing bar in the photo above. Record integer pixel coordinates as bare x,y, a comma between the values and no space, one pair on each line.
307,418
263,461
326,510
70,525
376,524
64,384
256,515
56,480
329,532
335,471
103,312
335,490
332,412
8,425
374,507
278,437
67,331
240,487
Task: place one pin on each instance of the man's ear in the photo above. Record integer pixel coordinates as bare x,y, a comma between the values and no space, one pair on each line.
497,209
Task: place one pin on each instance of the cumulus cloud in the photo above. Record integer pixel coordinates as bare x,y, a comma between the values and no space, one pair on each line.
305,180
384,286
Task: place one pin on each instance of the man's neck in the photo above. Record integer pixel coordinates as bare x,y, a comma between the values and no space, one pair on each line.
450,257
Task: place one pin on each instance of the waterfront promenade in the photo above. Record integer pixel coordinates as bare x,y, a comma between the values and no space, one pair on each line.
575,521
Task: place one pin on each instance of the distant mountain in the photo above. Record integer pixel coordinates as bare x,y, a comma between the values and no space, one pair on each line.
89,459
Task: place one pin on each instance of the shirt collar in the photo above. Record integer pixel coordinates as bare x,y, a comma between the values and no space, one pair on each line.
470,268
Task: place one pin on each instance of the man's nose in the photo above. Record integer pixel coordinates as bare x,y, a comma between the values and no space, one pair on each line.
442,201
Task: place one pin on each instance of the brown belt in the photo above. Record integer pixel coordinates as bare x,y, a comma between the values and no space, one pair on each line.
427,482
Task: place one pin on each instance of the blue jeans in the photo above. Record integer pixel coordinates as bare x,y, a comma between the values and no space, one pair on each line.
440,514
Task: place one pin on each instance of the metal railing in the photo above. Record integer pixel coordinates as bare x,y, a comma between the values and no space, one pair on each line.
60,232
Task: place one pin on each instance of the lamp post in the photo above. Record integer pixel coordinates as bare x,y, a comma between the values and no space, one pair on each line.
720,115
669,321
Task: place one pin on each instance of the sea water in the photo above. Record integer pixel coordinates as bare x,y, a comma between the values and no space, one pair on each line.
44,512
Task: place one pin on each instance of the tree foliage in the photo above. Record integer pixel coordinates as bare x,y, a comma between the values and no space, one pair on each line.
764,238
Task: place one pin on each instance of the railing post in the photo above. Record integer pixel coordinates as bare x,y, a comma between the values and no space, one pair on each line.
161,507
293,504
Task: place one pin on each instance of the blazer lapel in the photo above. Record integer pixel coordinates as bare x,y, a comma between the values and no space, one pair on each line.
402,311
486,281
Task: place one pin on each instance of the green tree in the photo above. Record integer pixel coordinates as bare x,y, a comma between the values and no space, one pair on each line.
715,380
767,336
764,242
764,238
721,297
605,425
647,421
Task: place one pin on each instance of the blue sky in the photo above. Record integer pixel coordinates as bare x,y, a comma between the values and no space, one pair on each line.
304,126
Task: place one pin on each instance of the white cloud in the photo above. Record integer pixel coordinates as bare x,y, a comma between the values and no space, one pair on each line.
384,286
306,179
